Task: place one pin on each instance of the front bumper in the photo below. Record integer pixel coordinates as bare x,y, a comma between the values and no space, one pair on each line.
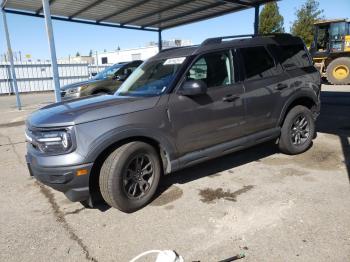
63,179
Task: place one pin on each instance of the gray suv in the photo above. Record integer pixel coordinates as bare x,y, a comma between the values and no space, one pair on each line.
181,107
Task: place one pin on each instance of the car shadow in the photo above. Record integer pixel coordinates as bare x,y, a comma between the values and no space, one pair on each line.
217,165
335,119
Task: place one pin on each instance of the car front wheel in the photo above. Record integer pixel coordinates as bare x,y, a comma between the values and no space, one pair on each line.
129,176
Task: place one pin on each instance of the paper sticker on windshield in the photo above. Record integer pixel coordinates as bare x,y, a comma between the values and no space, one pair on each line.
174,61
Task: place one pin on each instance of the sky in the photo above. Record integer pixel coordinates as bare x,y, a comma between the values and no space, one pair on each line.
28,34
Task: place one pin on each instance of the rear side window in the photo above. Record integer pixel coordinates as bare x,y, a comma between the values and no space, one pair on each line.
292,56
258,63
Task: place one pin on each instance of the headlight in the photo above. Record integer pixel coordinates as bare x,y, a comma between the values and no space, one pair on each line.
83,87
73,90
51,142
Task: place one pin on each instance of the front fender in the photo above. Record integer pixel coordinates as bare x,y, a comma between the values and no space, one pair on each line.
119,134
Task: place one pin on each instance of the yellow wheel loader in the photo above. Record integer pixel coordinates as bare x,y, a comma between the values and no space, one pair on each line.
330,50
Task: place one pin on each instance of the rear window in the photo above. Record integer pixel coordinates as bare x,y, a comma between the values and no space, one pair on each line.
258,63
293,56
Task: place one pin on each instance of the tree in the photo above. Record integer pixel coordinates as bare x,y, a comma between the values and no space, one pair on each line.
270,20
307,15
90,53
77,54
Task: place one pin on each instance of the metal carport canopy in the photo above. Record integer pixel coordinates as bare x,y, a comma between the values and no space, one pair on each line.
147,15
152,15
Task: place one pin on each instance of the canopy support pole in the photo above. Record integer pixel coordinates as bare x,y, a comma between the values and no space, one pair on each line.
160,41
256,20
50,37
10,55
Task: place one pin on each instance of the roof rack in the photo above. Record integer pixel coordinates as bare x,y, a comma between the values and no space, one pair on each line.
217,40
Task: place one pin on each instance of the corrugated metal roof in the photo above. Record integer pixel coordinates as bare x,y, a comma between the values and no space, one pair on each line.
138,14
320,22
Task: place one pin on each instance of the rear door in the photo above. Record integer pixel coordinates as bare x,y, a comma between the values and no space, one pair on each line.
265,84
213,118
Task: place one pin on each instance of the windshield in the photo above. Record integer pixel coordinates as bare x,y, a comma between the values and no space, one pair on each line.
151,78
108,72
338,30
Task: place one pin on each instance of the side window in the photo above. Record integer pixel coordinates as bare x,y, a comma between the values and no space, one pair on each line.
110,72
258,63
292,56
127,70
214,69
322,38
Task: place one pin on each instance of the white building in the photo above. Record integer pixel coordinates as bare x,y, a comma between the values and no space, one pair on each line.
141,53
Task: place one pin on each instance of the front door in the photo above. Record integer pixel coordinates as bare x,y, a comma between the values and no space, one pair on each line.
213,118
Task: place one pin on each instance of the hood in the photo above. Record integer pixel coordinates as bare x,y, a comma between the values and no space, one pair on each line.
88,109
82,83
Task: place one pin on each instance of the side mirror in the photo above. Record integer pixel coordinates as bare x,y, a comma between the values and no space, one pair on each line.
193,88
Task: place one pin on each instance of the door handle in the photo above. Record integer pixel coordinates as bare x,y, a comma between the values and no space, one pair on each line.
281,86
230,98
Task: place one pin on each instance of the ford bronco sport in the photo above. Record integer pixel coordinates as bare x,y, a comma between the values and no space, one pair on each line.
181,107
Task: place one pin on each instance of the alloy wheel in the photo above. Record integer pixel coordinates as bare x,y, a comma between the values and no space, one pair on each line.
138,177
300,130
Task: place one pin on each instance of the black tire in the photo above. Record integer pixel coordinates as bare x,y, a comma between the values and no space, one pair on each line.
116,178
86,203
342,65
292,131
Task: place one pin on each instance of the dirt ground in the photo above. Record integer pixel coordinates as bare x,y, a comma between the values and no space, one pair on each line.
267,205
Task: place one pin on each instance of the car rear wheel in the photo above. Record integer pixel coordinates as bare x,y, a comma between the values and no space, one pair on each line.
338,71
297,131
129,176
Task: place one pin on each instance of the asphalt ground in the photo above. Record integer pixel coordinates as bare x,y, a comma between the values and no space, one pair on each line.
259,202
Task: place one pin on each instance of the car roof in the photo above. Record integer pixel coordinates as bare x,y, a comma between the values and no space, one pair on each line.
218,43
125,63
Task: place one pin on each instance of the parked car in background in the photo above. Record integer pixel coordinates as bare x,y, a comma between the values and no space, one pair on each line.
105,82
182,107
